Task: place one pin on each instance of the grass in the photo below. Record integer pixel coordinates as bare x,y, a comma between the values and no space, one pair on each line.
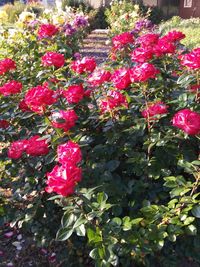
190,27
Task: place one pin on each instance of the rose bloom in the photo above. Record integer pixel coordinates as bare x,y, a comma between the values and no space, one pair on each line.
191,60
142,54
4,124
6,65
143,72
37,98
174,36
64,119
121,78
164,47
122,39
188,121
11,88
98,77
17,148
86,64
47,30
113,100
23,106
53,59
69,152
62,179
157,108
36,147
148,39
74,93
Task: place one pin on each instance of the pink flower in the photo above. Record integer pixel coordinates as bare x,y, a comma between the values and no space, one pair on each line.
142,54
11,88
39,97
113,100
62,179
69,153
74,93
17,148
36,147
148,39
157,108
64,119
47,30
121,78
86,64
174,36
143,72
98,77
4,124
6,65
188,121
53,59
192,59
122,39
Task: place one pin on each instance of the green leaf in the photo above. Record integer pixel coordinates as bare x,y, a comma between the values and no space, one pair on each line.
81,230
196,211
68,219
63,234
81,220
191,230
189,220
94,236
136,221
94,254
102,197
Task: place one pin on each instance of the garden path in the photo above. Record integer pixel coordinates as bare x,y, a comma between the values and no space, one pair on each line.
96,45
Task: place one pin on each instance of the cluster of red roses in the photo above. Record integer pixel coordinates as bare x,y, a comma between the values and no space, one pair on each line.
146,47
32,146
63,178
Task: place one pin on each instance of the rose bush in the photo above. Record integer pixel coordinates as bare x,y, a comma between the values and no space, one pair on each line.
112,152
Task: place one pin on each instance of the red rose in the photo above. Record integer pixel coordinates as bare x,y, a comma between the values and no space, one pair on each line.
36,147
113,100
148,39
86,64
23,106
69,153
47,30
11,88
17,148
142,54
121,78
4,124
174,36
143,72
6,65
195,89
98,77
122,39
155,109
74,93
192,59
64,119
164,47
37,98
188,121
62,179
53,59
